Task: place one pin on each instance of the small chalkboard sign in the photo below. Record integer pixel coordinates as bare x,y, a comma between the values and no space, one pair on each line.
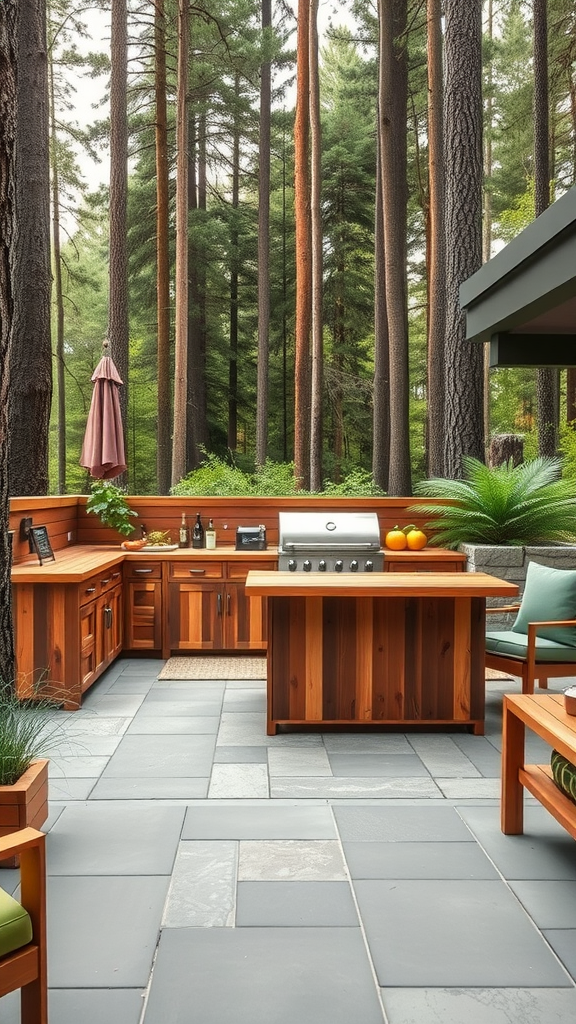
41,544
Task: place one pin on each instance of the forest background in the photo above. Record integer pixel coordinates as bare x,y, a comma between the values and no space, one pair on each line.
212,341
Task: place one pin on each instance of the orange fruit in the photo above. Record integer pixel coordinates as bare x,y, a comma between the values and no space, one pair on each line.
395,539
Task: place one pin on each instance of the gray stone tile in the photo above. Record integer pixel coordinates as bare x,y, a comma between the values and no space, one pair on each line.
295,904
401,824
283,859
544,851
114,705
298,761
385,743
469,789
352,788
563,942
85,744
442,757
65,789
417,860
246,729
132,684
156,756
481,752
151,789
465,934
239,781
280,975
203,887
550,904
82,767
245,699
368,763
102,932
173,725
479,1005
77,723
93,1006
237,755
189,708
112,839
261,821
166,696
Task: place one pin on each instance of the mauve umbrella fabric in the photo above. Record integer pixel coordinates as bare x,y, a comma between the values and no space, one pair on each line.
103,448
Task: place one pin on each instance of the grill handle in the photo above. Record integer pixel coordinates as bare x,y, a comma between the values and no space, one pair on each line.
334,547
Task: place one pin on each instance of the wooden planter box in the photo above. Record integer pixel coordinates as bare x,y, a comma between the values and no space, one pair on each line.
25,803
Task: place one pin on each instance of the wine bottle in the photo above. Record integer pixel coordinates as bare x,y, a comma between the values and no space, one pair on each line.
198,533
184,536
210,535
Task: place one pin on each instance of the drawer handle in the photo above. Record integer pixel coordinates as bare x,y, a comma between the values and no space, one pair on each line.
197,572
115,575
90,590
228,604
104,582
142,572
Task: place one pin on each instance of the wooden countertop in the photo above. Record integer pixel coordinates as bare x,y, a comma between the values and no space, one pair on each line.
376,584
78,562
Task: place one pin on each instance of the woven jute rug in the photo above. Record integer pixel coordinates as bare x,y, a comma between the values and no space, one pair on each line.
496,673
214,668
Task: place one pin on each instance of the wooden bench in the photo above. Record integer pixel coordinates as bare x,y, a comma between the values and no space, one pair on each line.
544,714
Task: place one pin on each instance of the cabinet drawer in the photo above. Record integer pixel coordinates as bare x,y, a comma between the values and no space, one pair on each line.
196,570
99,584
238,570
143,570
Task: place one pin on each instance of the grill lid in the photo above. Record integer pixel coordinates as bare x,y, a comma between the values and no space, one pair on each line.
330,531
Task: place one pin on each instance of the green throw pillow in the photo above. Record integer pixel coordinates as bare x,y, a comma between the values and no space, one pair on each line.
564,774
548,594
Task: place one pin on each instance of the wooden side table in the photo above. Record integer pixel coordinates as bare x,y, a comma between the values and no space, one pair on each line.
544,714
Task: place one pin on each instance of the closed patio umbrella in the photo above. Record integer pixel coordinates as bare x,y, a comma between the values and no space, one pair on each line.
103,448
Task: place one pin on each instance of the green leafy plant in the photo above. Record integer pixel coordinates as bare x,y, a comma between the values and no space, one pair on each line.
109,503
28,730
525,504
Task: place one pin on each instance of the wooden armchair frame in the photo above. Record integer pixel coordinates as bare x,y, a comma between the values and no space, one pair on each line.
528,668
26,968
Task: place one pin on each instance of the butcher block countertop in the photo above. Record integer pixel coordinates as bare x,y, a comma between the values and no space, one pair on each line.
394,584
80,561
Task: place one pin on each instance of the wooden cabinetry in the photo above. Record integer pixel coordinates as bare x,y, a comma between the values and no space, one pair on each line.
427,560
143,606
209,610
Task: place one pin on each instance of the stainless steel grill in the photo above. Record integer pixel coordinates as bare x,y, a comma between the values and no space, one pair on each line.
329,542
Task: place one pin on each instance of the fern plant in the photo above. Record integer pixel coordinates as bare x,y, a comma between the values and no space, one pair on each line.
525,504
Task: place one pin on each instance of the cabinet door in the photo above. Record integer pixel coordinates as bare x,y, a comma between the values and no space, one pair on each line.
143,619
88,644
245,626
195,616
112,624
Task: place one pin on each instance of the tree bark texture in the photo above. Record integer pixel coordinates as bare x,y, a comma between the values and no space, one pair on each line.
264,242
464,434
234,271
393,92
181,318
547,380
163,453
381,416
435,246
118,329
506,448
8,76
58,293
197,427
317,262
303,251
31,349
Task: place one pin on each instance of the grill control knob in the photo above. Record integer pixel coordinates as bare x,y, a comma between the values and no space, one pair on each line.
339,565
322,565
292,565
307,565
353,565
368,566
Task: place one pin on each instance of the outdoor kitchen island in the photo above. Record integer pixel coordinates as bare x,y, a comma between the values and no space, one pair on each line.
394,649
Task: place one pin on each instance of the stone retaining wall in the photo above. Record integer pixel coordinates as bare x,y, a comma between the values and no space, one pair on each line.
510,563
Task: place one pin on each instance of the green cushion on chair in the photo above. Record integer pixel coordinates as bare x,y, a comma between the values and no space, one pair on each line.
515,645
564,774
548,594
15,924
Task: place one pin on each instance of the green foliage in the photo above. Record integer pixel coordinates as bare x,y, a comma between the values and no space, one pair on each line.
358,483
27,732
525,504
215,477
108,502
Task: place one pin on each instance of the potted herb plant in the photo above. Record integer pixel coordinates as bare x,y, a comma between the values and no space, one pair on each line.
27,732
109,503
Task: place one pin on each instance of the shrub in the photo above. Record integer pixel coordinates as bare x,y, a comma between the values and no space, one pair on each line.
27,732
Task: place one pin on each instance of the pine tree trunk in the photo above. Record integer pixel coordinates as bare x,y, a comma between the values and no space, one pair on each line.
233,353
316,213
303,252
181,315
197,429
264,245
393,86
31,349
464,434
163,454
8,78
435,246
381,417
58,296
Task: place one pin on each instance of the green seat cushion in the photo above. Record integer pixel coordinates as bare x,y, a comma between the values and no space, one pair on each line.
564,774
15,924
515,645
548,594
